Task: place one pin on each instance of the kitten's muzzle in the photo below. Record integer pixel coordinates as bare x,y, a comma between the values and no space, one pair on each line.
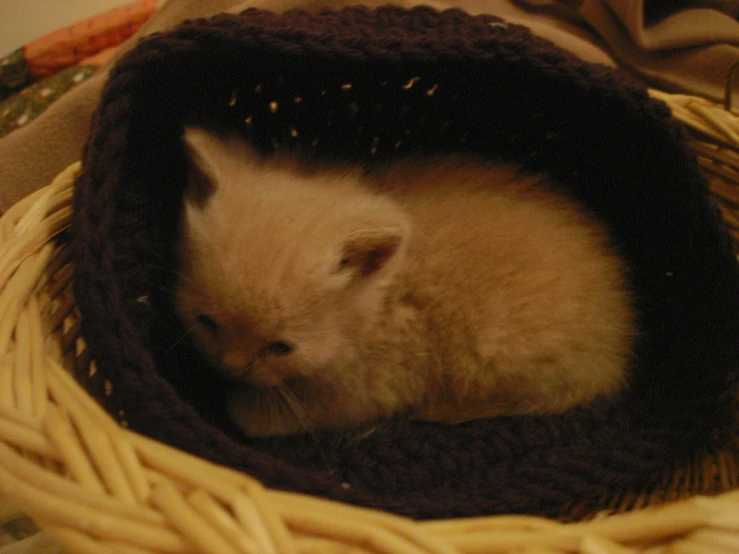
262,367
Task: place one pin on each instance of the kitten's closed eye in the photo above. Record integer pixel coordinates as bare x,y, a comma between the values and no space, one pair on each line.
208,323
277,348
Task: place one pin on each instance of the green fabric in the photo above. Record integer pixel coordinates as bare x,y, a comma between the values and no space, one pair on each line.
14,73
23,107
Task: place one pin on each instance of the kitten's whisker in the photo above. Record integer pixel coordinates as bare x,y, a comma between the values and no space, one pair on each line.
293,403
184,335
296,407
252,364
273,404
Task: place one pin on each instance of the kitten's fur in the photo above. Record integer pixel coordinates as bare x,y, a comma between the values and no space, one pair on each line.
451,289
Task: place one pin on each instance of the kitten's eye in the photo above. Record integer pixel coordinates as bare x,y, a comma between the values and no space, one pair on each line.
208,322
277,348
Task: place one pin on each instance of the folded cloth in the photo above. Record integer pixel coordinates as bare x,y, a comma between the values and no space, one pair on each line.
429,82
686,46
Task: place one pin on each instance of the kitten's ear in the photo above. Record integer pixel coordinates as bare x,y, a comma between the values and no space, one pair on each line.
203,167
367,251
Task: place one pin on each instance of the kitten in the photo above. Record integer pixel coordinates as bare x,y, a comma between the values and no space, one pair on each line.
448,289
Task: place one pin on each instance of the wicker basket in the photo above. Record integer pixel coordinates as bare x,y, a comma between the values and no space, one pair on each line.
97,487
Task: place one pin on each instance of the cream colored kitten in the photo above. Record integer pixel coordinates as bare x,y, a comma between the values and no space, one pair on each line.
448,289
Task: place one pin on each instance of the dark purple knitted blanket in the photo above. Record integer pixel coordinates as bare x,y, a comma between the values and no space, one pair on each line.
363,85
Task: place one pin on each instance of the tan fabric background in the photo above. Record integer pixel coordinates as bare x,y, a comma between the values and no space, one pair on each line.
690,50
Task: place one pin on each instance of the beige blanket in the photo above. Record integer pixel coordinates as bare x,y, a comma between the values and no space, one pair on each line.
686,46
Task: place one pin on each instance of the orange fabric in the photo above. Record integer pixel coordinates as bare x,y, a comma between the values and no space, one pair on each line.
100,58
66,47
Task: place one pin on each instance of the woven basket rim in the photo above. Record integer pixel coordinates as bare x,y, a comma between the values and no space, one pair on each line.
98,487
613,148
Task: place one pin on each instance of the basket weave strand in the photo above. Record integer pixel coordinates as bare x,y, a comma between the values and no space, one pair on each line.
122,492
